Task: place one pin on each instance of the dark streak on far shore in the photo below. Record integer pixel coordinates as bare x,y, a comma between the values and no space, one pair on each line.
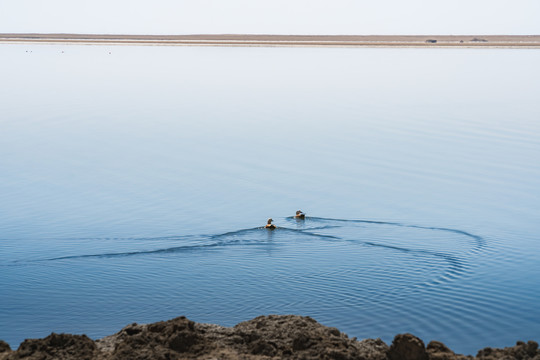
432,41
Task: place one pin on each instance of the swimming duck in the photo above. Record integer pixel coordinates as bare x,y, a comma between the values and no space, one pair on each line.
300,215
269,224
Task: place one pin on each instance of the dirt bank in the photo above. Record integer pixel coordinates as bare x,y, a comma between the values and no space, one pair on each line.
265,337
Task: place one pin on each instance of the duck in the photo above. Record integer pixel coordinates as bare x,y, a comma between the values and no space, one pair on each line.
300,215
269,224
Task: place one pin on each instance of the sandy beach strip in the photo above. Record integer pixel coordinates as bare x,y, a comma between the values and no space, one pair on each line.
432,41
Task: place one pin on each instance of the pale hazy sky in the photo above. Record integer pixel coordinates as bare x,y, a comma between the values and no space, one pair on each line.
272,16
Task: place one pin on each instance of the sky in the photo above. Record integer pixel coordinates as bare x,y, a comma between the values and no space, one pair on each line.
360,17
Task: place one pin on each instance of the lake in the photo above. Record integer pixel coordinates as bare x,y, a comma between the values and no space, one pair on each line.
135,182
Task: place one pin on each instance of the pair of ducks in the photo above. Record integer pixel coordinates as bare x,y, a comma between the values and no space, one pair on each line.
300,215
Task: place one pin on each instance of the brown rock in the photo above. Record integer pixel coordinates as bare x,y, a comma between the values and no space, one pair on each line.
438,351
262,338
532,348
295,337
163,340
521,351
56,346
4,347
407,347
373,349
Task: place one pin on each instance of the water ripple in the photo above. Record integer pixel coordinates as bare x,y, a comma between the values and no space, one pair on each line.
456,266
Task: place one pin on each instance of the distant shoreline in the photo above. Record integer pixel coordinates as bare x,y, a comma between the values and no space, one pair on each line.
431,41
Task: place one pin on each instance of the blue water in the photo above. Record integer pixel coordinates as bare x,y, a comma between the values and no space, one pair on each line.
134,182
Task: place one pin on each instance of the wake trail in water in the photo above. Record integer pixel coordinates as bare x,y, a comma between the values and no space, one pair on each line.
479,241
219,240
253,236
132,253
457,265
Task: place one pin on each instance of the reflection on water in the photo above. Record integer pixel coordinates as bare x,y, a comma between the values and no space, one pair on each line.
135,186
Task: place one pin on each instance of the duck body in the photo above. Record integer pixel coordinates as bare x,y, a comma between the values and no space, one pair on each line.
269,224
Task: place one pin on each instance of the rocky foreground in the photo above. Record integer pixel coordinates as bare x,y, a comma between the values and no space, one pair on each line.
265,337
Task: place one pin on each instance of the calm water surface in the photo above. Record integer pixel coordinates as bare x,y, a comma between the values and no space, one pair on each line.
134,181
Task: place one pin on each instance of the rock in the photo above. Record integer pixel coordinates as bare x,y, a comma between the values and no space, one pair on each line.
520,351
4,347
438,351
261,347
58,347
301,342
532,348
265,337
296,337
407,347
163,340
438,347
374,349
